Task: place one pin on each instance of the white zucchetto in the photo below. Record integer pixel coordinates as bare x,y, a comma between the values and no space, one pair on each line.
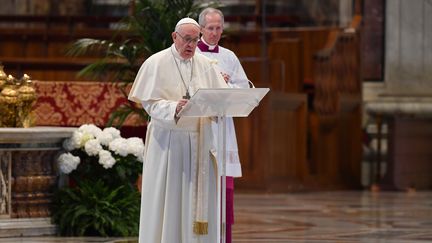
187,20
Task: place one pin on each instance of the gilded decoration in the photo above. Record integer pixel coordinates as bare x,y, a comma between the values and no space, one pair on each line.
17,98
66,103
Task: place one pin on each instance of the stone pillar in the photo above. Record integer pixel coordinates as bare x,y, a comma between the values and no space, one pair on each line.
345,12
408,65
5,188
406,105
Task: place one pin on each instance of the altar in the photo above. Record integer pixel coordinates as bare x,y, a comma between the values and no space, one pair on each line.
28,175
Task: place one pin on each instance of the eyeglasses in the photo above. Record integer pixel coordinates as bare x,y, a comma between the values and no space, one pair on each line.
188,39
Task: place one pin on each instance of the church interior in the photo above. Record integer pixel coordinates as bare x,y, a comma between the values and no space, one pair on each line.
339,150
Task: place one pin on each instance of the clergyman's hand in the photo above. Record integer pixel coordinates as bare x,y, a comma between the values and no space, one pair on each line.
226,77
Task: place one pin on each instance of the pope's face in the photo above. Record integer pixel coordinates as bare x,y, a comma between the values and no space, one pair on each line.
213,29
186,39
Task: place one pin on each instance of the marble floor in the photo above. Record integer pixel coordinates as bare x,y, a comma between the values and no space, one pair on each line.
348,217
337,217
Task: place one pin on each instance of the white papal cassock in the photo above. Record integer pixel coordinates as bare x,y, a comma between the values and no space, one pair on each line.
175,149
229,64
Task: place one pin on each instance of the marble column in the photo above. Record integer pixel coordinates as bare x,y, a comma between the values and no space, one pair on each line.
408,65
5,188
345,12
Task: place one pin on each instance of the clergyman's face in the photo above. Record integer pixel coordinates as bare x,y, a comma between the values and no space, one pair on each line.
213,29
186,39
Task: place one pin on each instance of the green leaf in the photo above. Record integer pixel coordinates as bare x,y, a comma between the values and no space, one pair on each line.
96,208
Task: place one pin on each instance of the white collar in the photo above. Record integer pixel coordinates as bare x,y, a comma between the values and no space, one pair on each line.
210,47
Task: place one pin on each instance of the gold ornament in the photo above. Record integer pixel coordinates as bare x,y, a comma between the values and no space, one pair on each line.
2,77
27,97
17,98
9,103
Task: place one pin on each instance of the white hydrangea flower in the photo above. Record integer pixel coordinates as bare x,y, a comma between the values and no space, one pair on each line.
92,147
68,162
113,131
76,139
80,138
68,144
105,138
107,135
135,146
85,138
119,146
91,129
106,159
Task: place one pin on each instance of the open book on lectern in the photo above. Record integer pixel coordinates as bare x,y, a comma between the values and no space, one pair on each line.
228,102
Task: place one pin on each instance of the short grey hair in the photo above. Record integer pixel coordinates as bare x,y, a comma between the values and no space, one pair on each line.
205,12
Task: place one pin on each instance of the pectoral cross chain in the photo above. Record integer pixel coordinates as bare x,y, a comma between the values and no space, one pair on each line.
187,96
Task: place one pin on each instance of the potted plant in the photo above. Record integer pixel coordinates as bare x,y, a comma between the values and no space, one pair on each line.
100,196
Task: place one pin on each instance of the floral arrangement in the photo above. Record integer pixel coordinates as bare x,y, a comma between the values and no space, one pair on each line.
101,197
89,142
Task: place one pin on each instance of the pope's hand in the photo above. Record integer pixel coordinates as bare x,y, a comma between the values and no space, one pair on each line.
181,103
